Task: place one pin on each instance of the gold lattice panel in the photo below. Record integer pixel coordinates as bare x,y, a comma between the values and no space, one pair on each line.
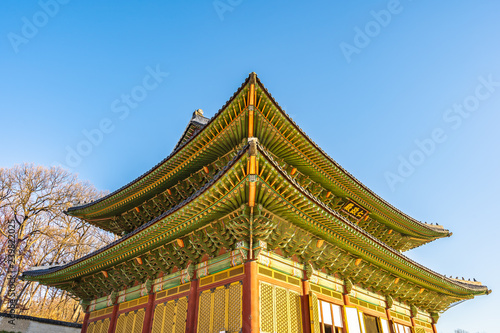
220,309
90,328
170,317
120,323
314,309
97,327
105,325
158,317
234,305
295,318
130,322
139,320
266,308
280,309
419,330
181,315
204,312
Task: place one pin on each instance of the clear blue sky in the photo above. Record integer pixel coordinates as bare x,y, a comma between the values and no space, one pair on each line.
365,98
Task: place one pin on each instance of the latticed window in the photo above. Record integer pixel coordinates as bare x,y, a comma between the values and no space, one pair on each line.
398,328
372,324
130,322
170,317
280,309
99,326
220,309
330,317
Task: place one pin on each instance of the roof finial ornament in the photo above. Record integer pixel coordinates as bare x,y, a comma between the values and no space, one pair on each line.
198,112
253,78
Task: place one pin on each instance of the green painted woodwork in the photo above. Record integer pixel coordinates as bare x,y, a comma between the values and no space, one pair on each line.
195,204
288,144
287,217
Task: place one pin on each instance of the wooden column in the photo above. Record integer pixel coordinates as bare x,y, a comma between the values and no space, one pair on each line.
434,329
192,312
306,314
389,319
413,322
85,322
114,318
148,317
250,306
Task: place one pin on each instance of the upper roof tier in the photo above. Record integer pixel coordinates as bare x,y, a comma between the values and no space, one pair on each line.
207,145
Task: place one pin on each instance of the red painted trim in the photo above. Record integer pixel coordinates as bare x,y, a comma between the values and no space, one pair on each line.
148,317
306,316
114,316
137,307
346,299
434,329
389,319
192,312
166,299
104,316
85,322
221,283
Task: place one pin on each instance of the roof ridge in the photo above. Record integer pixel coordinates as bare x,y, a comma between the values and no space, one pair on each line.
177,149
315,145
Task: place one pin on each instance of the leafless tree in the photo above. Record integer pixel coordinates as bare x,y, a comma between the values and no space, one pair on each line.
33,199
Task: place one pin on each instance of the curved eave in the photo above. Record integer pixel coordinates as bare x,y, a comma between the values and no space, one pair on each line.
423,230
102,210
361,243
135,187
323,222
158,231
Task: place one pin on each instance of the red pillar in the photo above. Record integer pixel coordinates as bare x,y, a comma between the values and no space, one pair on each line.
389,319
346,299
434,329
250,306
114,317
148,316
306,315
85,322
192,312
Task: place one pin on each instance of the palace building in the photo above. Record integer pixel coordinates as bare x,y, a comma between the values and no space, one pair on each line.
248,226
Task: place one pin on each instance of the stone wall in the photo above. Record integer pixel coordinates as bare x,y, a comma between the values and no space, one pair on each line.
26,324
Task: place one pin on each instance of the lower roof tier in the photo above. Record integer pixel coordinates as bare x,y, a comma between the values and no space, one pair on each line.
238,205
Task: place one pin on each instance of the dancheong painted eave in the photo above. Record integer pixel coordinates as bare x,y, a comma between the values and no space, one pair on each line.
273,128
248,226
271,194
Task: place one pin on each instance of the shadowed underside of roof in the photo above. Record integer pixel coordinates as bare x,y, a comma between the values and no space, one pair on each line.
225,193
